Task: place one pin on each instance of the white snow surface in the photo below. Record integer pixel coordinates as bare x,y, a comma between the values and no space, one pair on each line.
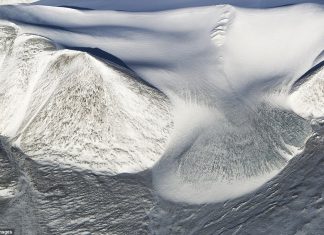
308,99
228,72
67,107
11,2
149,5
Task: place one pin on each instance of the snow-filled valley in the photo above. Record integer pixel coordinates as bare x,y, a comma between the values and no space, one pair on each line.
186,117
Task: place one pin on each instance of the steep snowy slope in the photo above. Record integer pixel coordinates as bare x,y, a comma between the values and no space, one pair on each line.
291,203
307,98
228,72
67,107
101,152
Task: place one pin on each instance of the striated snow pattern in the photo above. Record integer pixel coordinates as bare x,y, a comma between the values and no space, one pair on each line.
218,34
222,67
88,146
307,98
67,107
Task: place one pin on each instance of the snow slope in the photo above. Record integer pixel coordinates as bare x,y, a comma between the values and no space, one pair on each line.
7,2
228,72
148,5
290,203
65,106
307,98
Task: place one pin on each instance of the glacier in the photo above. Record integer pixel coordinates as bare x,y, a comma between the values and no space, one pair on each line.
212,112
229,80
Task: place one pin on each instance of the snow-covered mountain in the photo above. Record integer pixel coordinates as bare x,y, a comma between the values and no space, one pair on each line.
212,103
222,68
68,107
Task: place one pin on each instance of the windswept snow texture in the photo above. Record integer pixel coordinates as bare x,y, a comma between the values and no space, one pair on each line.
53,200
229,73
307,99
67,107
148,5
291,203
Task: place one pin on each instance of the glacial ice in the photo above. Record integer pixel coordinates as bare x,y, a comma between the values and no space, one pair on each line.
228,72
